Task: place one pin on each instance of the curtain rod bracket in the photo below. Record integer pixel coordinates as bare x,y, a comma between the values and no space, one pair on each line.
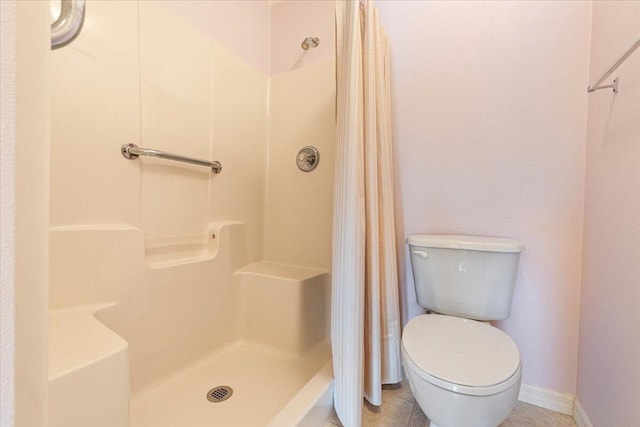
613,86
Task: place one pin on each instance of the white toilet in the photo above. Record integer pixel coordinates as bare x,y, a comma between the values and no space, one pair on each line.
462,371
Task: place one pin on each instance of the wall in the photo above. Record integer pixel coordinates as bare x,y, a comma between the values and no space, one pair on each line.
243,27
24,221
158,82
609,354
291,22
32,210
298,205
7,211
489,111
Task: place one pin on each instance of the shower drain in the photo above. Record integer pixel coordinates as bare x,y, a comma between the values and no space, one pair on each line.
219,394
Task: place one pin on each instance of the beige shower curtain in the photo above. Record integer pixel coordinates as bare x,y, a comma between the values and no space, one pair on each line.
365,329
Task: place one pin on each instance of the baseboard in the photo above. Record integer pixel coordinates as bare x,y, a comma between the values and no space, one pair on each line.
580,416
548,399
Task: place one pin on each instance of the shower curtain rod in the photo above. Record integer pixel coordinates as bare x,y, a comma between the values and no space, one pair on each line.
132,152
611,69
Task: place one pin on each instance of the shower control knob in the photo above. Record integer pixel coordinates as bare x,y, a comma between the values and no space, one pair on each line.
307,158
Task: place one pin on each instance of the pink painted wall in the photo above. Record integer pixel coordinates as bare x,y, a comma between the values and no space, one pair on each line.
241,26
291,22
489,112
265,34
609,353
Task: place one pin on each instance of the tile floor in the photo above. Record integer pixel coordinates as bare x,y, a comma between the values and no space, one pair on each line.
399,409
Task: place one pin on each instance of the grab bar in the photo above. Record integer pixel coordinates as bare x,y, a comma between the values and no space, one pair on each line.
69,23
132,151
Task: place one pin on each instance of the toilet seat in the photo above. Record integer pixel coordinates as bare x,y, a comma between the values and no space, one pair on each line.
461,355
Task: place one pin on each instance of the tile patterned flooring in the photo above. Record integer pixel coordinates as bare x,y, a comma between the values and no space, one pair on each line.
399,409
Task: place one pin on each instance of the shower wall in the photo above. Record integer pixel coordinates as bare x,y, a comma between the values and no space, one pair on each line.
165,81
140,74
24,78
299,205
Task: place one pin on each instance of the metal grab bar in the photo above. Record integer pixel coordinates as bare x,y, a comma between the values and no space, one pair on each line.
132,151
611,69
69,23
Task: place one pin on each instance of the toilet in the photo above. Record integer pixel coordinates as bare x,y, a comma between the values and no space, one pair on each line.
462,371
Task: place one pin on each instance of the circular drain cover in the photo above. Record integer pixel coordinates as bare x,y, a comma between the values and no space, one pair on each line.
219,394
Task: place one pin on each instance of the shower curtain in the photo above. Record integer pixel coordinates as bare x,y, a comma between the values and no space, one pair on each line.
365,320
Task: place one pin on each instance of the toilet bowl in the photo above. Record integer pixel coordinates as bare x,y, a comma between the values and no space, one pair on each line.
463,373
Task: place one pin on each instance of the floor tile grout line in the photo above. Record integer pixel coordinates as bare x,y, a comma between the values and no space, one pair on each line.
413,411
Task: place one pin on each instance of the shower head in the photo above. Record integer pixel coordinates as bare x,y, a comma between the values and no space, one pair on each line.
310,42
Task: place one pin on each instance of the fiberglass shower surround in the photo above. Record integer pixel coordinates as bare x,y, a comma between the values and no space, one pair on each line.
162,268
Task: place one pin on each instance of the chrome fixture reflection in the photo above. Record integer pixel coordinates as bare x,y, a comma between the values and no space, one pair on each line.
307,158
132,151
68,24
310,42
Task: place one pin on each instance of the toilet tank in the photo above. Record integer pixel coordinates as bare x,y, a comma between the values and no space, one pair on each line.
466,276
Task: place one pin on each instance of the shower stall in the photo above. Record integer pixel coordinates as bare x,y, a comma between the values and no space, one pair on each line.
183,295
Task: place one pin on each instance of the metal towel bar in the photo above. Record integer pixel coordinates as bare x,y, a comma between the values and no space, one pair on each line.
132,151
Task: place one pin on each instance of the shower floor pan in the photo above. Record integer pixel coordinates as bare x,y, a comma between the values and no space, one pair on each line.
264,380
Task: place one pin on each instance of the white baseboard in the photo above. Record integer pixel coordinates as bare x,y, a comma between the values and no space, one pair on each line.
580,416
548,399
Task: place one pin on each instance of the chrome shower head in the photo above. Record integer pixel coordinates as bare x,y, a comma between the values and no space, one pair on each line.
310,42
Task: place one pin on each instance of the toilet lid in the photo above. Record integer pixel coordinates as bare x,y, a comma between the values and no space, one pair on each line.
460,351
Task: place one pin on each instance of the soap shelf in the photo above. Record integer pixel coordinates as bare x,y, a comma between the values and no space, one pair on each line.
162,252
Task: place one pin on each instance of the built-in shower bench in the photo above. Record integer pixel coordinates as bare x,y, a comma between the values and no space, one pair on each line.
283,306
88,370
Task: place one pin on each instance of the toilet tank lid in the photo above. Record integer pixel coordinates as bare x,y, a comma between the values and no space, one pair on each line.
472,243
